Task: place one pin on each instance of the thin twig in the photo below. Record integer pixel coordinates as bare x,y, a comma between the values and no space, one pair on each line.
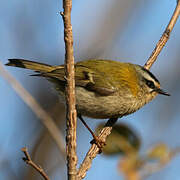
29,161
164,38
94,150
46,120
91,154
71,115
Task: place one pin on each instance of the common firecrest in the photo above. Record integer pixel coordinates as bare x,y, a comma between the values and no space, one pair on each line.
104,88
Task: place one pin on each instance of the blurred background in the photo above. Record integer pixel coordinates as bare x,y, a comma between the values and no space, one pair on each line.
122,30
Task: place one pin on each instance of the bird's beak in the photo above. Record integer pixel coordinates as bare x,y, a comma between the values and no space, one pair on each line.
160,91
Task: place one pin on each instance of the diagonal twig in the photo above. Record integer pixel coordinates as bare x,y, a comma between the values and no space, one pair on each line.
164,38
94,150
91,154
29,161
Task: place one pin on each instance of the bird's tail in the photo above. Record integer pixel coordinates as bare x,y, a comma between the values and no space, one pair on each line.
36,66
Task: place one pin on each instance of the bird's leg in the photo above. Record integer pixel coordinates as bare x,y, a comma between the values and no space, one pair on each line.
96,140
111,122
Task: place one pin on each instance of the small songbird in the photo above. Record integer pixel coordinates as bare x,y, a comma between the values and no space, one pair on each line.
104,88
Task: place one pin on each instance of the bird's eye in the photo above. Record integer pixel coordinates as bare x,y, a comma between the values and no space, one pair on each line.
150,84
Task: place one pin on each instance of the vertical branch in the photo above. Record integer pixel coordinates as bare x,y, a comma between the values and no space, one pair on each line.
71,115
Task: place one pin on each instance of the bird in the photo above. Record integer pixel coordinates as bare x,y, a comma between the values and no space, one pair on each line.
104,89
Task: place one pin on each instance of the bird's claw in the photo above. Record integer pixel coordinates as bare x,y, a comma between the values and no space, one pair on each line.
99,142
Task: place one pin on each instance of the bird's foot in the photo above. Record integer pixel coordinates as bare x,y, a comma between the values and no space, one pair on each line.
99,142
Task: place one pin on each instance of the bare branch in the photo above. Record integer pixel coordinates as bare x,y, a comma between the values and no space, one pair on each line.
71,115
164,38
29,161
36,108
92,153
94,150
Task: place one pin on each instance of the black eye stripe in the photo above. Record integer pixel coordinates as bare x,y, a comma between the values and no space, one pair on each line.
150,84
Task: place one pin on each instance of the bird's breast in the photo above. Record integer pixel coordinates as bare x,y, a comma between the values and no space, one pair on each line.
102,107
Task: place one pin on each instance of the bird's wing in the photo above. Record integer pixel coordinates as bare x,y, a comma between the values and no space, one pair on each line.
85,77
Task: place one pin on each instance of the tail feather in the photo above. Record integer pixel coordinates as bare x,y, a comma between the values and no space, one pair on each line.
36,66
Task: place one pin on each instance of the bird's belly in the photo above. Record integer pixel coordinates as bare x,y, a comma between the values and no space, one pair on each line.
102,107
